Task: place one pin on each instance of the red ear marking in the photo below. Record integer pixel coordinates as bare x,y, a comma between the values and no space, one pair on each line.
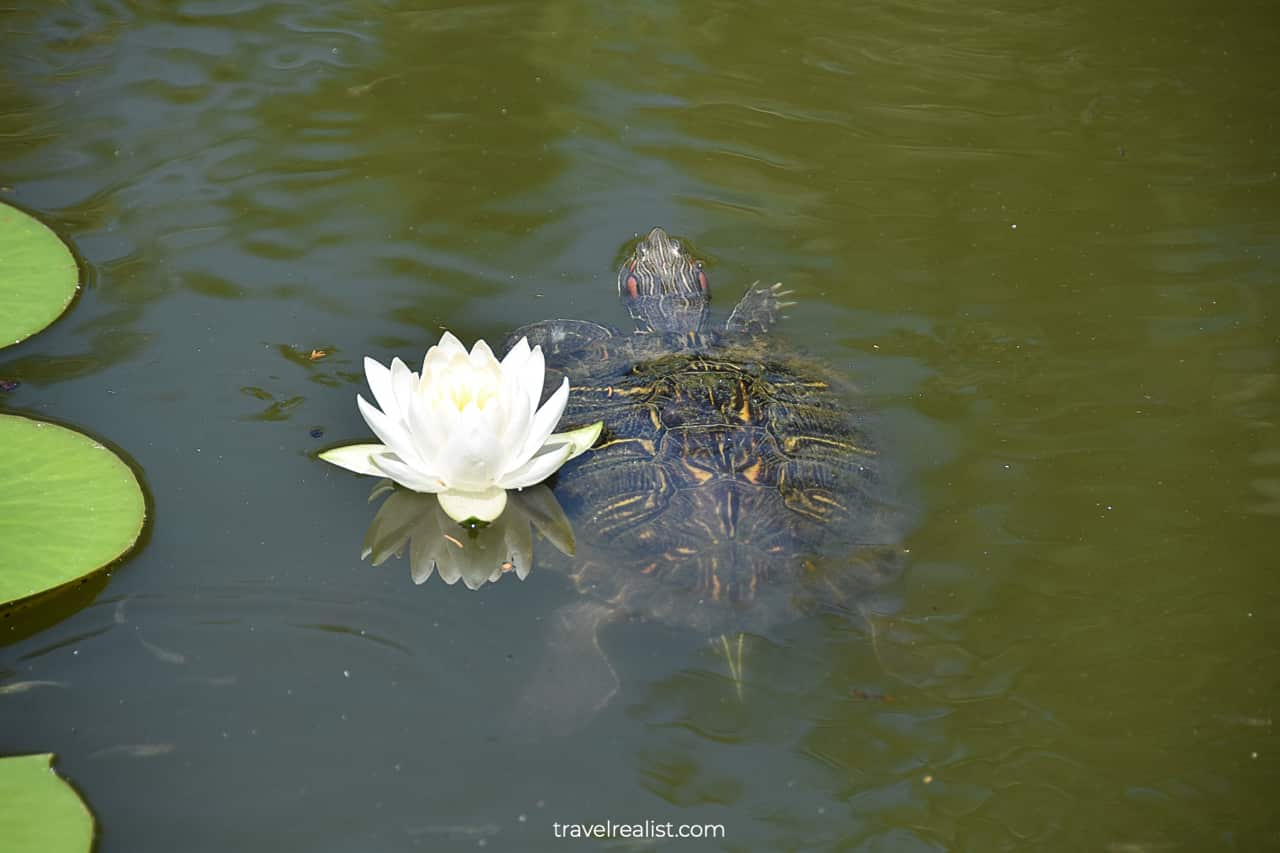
702,280
633,287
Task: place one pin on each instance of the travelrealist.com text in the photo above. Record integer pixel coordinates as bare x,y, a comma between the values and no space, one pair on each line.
647,829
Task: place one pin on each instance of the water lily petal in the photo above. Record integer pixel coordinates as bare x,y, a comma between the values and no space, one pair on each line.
379,378
355,457
435,364
403,383
481,357
483,505
496,417
543,464
448,345
581,439
532,375
544,421
393,433
427,429
525,369
406,475
516,356
514,426
471,458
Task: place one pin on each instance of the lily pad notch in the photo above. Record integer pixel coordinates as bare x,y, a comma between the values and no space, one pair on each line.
39,275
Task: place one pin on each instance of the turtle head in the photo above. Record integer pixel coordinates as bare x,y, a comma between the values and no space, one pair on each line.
663,286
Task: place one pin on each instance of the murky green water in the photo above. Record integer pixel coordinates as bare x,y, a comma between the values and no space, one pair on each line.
1042,237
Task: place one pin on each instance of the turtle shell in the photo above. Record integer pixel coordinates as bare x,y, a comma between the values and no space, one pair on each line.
733,487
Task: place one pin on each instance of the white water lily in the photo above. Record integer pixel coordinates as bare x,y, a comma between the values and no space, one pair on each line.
467,429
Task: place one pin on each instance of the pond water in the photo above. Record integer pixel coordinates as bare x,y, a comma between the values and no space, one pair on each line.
1043,239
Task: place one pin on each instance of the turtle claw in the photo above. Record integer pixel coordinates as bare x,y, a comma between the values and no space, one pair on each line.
778,293
758,310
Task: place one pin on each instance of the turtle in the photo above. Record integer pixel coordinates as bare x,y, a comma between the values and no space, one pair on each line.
734,486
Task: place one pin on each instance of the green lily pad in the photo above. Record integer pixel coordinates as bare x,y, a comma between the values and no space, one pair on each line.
40,811
68,507
38,276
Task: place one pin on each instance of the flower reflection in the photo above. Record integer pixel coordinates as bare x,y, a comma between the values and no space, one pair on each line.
475,554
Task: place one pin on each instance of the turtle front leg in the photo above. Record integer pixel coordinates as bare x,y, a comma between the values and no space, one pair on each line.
565,343
757,310
560,338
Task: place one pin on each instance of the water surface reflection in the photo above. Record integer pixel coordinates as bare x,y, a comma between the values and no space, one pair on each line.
1082,405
